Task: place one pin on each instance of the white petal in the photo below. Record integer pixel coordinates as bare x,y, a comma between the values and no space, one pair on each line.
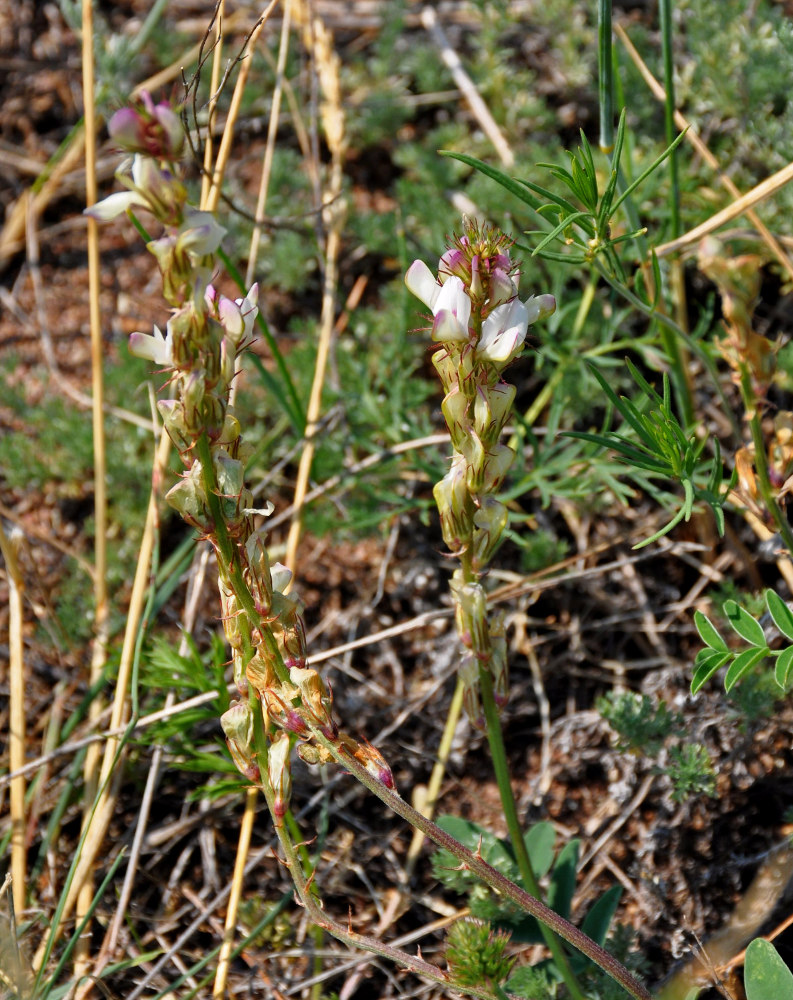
421,282
114,205
158,348
201,232
280,577
448,328
452,297
503,332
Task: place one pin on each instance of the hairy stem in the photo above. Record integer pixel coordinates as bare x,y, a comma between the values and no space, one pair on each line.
495,738
489,875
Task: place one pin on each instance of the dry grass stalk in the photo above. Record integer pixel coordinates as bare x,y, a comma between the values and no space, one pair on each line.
99,650
658,92
479,109
319,42
207,180
269,148
10,546
210,202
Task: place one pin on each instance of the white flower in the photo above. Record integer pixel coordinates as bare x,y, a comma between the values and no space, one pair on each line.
200,233
451,307
158,349
151,188
503,333
236,317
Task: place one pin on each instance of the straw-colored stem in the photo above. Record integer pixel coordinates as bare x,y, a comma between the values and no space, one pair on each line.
430,798
243,848
99,650
269,148
315,400
9,546
702,150
210,201
214,83
104,808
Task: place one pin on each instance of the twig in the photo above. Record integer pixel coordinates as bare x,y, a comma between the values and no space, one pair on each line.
692,137
429,20
320,44
101,611
9,546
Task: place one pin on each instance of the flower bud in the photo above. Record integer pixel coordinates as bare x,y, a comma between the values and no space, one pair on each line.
172,413
497,465
471,614
490,522
454,407
499,661
475,459
280,775
237,725
491,409
446,367
316,698
260,673
455,506
469,675
148,128
375,764
187,497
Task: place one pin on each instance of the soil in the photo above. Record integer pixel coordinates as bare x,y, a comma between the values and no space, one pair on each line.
614,621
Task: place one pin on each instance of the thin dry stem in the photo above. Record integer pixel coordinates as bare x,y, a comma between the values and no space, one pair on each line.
207,178
682,123
269,148
241,858
479,109
99,650
319,40
10,546
210,202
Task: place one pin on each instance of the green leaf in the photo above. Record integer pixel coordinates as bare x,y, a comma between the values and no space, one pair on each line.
742,664
780,612
540,840
708,632
766,977
744,624
562,885
706,665
477,838
784,665
597,922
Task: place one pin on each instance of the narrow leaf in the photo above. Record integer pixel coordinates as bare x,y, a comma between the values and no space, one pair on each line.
598,920
562,885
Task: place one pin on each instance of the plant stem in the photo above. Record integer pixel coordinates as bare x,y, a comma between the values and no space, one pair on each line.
495,738
605,78
488,874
